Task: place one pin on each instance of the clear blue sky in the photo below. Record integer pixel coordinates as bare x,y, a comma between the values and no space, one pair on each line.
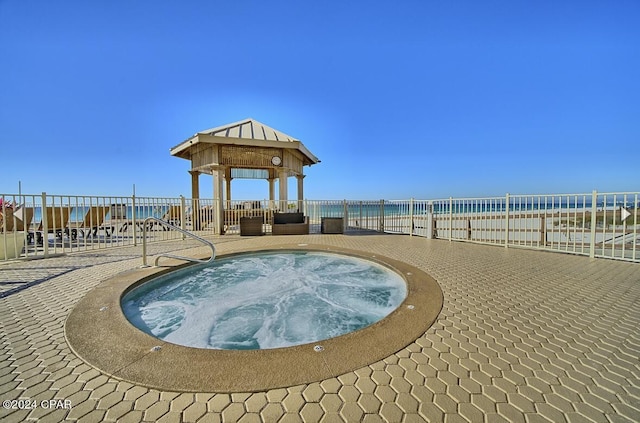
399,99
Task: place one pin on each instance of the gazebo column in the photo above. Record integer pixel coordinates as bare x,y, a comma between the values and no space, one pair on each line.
272,192
227,179
195,195
283,190
300,193
218,177
228,191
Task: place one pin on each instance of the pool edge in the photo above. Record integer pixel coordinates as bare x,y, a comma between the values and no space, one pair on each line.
98,332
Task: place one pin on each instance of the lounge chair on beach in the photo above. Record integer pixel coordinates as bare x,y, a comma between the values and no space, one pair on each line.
92,222
57,220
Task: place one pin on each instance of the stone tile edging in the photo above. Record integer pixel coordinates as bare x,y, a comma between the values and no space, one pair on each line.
98,332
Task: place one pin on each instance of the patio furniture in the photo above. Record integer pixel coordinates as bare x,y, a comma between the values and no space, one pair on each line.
232,216
92,222
206,216
118,211
173,215
332,225
57,220
251,226
290,224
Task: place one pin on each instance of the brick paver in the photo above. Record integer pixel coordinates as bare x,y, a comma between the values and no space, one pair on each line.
523,336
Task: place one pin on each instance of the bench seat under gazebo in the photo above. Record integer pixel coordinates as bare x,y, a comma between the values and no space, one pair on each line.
290,224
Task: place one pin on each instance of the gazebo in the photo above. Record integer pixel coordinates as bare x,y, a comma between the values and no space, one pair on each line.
246,149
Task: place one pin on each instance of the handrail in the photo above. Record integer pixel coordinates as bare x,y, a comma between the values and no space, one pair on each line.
185,232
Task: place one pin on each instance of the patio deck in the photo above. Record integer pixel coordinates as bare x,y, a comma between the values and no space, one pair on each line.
523,336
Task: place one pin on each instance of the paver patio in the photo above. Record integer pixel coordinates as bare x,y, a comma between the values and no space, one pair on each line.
524,336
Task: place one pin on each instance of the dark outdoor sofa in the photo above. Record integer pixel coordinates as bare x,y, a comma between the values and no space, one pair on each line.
290,224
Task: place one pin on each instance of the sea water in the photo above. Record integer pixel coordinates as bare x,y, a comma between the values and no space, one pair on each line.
264,301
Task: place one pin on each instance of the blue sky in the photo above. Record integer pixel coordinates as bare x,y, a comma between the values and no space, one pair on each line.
424,99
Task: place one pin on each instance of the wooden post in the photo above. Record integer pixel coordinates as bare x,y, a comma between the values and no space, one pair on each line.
195,195
272,191
300,193
227,180
283,191
218,176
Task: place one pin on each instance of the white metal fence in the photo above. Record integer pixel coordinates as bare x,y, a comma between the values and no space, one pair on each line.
42,225
593,224
597,224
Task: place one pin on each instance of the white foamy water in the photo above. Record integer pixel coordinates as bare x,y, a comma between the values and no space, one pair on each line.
265,301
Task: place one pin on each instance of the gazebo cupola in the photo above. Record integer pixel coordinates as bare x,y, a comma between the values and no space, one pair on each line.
246,150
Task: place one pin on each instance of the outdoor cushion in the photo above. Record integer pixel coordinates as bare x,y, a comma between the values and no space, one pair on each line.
285,218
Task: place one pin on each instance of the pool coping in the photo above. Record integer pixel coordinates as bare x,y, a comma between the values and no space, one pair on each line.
98,332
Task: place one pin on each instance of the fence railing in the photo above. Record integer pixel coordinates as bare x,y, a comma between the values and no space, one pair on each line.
42,225
593,224
597,224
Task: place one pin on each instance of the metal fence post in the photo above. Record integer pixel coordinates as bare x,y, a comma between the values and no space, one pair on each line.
133,220
431,221
450,218
219,215
183,215
506,222
45,225
144,245
594,210
411,216
345,215
381,219
3,226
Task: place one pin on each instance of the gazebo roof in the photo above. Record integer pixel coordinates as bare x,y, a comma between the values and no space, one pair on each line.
249,129
247,132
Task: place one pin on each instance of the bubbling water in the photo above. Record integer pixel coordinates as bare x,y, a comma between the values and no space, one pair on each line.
266,300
